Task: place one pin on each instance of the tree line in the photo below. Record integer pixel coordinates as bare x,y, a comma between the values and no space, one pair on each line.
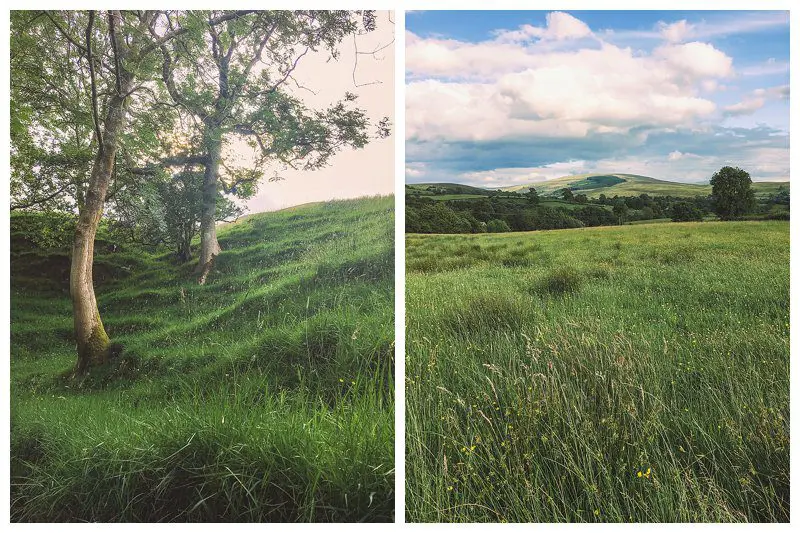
732,197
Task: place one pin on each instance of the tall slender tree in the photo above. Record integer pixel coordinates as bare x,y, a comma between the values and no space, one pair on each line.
111,57
234,78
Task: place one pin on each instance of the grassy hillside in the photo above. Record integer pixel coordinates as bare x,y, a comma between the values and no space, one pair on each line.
635,373
593,185
266,394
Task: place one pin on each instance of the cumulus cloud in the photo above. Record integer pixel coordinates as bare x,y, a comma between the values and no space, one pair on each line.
560,26
436,57
677,31
696,60
559,93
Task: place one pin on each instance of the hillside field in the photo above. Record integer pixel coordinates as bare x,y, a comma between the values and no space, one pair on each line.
265,395
617,374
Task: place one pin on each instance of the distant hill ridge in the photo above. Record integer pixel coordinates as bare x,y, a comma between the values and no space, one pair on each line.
593,185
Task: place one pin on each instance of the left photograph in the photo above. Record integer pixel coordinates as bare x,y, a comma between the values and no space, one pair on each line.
202,266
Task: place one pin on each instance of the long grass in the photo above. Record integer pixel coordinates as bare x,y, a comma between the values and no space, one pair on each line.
617,374
265,395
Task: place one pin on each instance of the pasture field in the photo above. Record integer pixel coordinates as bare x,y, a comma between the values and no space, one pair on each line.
265,395
613,374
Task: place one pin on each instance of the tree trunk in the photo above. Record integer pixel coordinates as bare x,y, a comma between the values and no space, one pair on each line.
185,247
91,337
209,246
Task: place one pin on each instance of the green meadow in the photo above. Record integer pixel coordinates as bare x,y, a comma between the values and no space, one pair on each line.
265,395
613,374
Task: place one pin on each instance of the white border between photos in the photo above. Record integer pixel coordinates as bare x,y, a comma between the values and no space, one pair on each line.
399,6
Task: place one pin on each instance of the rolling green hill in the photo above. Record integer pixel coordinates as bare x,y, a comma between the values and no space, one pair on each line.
265,395
593,185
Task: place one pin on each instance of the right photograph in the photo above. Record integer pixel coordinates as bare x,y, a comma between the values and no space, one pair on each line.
597,266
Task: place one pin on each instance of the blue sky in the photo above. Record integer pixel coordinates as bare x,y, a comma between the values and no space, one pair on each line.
509,97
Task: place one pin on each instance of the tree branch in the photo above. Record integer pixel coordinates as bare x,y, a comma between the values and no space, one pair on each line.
95,117
112,30
40,200
160,41
172,161
64,32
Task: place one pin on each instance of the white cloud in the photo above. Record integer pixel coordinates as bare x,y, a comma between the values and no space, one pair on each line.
504,177
427,57
677,31
415,170
747,106
561,93
676,155
560,26
696,59
730,23
756,100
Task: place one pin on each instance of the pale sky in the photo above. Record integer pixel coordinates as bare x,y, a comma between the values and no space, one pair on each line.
351,173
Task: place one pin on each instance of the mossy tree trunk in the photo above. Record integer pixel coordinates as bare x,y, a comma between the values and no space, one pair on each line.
90,335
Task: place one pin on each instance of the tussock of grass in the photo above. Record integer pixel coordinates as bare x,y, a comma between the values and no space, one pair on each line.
658,391
265,395
563,280
485,312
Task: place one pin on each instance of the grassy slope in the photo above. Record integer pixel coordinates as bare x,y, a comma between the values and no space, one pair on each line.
265,395
546,370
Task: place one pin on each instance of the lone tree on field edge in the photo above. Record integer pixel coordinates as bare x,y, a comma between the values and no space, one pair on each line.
731,193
